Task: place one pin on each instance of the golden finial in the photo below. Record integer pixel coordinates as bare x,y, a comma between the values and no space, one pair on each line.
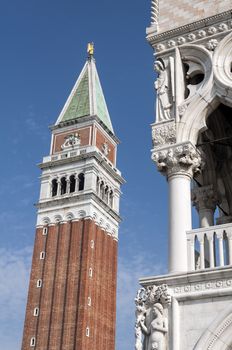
90,49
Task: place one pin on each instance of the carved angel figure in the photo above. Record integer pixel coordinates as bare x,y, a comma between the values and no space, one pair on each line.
163,105
155,328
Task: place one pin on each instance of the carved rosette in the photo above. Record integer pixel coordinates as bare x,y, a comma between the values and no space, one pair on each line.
204,197
164,134
151,307
178,159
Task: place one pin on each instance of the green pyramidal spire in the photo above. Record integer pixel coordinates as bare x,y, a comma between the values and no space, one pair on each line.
86,97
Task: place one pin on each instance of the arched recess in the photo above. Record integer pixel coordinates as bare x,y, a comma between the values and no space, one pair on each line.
200,104
215,143
218,335
222,67
215,89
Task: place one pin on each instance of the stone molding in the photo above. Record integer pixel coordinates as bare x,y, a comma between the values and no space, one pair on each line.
77,200
204,197
85,207
50,219
200,32
203,286
181,158
164,133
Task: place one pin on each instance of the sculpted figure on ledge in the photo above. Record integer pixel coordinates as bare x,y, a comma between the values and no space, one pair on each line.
163,105
151,324
156,330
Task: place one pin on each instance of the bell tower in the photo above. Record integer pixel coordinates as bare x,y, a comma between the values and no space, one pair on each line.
72,292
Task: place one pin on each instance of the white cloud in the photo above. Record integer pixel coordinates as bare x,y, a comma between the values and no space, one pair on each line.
129,272
14,277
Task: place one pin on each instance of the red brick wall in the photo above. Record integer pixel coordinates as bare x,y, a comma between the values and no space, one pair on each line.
100,140
63,298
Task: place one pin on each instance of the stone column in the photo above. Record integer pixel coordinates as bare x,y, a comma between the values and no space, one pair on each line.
58,187
204,200
179,163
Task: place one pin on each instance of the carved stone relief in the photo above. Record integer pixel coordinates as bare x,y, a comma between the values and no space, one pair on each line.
162,86
151,326
204,197
71,141
164,134
182,158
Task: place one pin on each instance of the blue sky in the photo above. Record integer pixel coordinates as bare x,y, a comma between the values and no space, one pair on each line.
43,49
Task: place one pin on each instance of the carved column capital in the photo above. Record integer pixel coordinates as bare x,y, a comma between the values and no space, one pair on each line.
181,158
204,198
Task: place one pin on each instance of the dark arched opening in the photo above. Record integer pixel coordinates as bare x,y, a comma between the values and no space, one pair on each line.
54,187
63,184
81,178
72,183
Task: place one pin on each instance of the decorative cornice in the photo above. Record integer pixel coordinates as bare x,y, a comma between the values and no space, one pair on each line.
84,119
200,32
74,199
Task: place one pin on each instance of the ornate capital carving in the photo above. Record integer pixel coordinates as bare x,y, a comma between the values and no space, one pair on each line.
181,158
164,134
151,310
204,197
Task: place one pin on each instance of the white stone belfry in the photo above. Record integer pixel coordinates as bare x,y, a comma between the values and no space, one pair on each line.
191,306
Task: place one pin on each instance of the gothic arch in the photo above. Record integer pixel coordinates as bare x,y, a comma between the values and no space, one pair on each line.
215,89
222,67
218,335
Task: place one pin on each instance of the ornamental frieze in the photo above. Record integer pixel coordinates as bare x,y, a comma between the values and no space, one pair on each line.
198,32
164,134
203,286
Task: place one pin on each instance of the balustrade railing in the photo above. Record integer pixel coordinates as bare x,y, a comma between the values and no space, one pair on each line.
210,247
68,154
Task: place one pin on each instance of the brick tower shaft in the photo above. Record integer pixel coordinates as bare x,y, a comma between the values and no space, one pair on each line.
72,292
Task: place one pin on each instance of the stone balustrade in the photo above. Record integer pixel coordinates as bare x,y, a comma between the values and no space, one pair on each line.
78,152
209,247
